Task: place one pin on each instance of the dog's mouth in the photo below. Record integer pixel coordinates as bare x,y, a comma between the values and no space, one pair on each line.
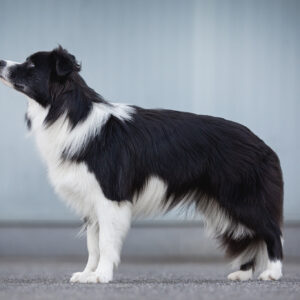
2,77
3,80
18,86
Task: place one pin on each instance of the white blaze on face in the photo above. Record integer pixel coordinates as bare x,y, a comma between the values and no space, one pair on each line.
5,71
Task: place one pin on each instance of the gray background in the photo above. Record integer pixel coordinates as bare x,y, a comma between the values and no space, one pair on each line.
234,59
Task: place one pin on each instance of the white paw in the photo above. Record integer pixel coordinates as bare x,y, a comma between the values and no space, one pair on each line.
270,275
79,276
273,271
240,275
91,277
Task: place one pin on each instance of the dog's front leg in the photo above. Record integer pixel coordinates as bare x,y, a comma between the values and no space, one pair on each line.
114,220
92,232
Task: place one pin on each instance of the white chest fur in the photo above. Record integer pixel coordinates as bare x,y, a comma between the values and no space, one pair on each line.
73,182
77,186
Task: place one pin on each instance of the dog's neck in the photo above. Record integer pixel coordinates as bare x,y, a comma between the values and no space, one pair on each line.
61,136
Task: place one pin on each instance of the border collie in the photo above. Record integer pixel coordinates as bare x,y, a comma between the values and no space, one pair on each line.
112,162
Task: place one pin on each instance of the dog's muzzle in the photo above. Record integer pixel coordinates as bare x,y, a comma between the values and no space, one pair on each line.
2,65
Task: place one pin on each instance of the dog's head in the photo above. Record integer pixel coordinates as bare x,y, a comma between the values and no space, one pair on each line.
41,74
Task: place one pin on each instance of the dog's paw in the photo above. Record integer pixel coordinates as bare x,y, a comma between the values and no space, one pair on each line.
270,275
240,275
91,277
99,278
79,276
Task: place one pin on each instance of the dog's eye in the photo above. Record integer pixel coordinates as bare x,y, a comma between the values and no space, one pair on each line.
30,65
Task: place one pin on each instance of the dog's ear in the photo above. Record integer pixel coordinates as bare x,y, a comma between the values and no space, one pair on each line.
65,63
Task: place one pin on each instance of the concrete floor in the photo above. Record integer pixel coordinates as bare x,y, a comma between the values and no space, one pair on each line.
49,279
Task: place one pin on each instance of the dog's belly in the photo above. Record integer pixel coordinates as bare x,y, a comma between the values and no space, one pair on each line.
76,186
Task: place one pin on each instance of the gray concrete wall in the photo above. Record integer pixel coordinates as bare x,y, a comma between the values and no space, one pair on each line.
234,59
168,241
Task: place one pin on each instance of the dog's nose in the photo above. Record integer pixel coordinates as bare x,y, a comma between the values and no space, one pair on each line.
2,63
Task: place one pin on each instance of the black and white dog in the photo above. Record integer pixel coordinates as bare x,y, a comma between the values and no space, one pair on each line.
112,162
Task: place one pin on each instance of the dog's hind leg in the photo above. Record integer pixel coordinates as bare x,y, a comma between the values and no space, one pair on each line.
245,252
245,272
273,241
262,250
